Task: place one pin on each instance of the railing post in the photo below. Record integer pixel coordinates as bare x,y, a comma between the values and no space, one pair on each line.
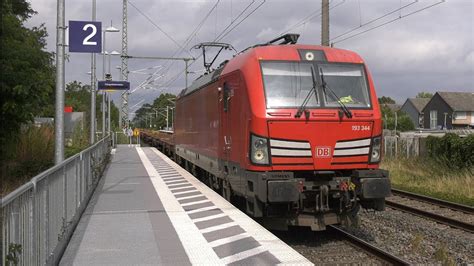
35,221
396,146
64,198
46,217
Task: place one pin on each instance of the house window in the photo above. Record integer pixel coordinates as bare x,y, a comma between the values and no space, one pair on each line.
433,119
421,119
460,115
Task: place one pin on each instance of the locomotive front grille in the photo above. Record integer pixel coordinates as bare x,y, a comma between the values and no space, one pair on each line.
288,148
358,150
347,148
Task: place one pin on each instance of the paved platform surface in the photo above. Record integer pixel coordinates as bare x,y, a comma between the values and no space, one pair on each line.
148,210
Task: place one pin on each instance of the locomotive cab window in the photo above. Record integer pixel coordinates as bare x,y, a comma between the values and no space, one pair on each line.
348,83
287,84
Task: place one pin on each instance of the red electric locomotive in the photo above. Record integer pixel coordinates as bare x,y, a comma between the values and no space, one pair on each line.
292,132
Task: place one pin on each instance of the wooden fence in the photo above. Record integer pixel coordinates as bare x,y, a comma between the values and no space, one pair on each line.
407,147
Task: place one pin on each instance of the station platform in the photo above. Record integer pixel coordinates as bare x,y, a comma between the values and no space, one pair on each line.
148,210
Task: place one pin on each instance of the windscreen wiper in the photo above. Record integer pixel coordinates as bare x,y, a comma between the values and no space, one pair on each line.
333,94
302,109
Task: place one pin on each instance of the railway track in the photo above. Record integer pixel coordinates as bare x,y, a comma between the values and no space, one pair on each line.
334,246
444,212
359,243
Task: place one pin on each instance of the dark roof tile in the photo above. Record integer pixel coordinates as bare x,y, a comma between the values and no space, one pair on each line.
459,101
419,103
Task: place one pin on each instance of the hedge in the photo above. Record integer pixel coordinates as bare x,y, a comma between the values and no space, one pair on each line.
452,150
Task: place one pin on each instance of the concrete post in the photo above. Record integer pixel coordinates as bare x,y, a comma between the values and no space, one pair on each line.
325,22
59,108
93,83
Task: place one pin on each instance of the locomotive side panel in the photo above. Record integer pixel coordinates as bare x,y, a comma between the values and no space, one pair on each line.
197,128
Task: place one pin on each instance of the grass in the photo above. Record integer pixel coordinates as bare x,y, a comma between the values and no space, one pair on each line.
442,255
427,177
32,153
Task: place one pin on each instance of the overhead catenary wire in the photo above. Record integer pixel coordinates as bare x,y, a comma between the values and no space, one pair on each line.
142,70
220,37
375,19
248,15
191,36
154,24
309,17
180,47
389,22
236,18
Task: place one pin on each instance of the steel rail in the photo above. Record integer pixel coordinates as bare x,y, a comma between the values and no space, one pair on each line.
432,216
369,248
443,203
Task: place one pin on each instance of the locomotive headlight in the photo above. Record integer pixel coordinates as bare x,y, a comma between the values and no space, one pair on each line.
260,143
376,150
259,150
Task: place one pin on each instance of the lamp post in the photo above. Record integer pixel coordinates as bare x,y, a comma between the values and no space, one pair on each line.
104,52
109,110
167,111
119,68
93,125
172,122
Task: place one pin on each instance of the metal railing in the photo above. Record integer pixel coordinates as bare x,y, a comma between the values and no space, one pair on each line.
39,217
122,138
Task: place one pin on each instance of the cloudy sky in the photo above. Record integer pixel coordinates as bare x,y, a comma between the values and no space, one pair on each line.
421,50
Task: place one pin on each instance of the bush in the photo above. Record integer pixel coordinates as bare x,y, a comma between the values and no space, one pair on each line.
26,156
452,150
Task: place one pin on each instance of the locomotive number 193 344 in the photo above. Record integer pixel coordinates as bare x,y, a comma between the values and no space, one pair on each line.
360,128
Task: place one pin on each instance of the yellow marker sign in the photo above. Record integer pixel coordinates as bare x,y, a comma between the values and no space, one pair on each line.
136,132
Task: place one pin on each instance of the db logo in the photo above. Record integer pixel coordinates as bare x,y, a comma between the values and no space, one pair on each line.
323,152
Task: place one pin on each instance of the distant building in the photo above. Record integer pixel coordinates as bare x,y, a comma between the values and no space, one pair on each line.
72,121
413,107
40,121
448,110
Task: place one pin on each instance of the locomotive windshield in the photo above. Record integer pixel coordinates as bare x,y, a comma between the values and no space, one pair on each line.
287,84
348,83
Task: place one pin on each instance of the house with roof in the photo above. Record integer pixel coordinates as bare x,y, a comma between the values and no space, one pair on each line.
448,110
413,107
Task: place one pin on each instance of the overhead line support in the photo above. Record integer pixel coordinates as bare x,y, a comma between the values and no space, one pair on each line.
124,122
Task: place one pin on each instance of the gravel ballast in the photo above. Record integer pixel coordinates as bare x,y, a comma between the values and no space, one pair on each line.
415,239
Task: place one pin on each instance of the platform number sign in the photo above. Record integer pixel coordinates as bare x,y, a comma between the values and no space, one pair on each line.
85,36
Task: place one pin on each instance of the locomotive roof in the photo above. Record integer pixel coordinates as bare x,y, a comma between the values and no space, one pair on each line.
275,52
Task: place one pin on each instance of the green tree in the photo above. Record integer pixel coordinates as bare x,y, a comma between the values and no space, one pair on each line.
424,95
79,97
386,100
27,71
403,122
157,112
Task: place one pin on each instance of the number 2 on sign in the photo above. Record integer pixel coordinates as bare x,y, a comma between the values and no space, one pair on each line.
87,39
360,128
